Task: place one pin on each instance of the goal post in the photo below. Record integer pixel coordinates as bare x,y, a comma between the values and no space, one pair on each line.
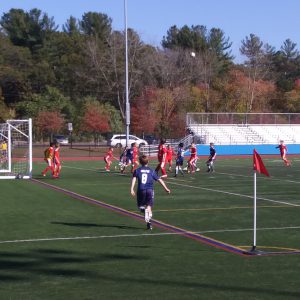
16,149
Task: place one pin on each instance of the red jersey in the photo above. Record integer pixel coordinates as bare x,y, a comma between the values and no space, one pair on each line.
135,153
282,149
109,154
162,150
170,153
193,152
56,155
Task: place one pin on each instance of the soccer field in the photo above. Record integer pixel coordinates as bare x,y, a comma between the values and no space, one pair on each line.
81,237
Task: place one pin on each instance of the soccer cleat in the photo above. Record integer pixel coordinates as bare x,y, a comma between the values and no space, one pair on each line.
43,174
149,226
175,175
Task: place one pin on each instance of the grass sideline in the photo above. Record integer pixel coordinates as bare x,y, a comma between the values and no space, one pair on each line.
82,251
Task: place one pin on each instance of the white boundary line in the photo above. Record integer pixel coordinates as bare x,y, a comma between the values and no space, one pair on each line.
211,190
97,170
229,193
138,235
248,176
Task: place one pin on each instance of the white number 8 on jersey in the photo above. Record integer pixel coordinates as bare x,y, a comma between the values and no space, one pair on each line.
144,178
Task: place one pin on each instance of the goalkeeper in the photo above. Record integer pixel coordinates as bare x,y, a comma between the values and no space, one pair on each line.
3,155
48,158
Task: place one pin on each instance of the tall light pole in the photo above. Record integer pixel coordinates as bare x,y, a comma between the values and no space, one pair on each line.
127,108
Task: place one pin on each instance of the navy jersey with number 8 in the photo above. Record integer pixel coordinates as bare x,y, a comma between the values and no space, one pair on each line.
145,177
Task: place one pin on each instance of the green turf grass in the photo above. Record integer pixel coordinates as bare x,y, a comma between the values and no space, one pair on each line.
123,262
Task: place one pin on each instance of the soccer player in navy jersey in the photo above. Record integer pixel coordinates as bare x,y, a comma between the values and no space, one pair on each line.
128,158
122,160
179,160
145,177
211,158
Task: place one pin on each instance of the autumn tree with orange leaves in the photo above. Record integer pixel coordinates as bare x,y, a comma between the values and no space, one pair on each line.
158,111
95,120
49,122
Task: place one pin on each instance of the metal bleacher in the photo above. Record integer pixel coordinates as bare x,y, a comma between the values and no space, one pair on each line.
241,129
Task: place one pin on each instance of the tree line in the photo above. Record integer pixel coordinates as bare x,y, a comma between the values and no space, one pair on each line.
77,75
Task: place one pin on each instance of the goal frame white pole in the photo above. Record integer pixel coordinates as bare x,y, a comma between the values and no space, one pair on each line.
28,174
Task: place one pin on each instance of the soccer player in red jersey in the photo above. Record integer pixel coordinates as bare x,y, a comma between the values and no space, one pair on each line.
48,158
193,158
162,157
170,153
56,160
108,158
135,152
283,151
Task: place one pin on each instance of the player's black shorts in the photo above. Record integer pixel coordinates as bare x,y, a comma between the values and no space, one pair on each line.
179,161
145,198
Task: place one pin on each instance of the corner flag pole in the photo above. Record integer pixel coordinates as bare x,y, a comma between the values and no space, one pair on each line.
254,214
258,166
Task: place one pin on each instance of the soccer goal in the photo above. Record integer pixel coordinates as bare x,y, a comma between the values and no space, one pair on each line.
16,149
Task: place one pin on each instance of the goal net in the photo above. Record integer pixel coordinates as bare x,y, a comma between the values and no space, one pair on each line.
16,149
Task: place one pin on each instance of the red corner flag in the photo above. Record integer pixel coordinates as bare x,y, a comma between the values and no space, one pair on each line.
258,164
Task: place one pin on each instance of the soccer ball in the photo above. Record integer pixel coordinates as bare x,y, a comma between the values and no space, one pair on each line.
193,54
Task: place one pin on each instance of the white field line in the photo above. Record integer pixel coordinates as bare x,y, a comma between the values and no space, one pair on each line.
83,169
229,193
208,189
222,173
268,178
97,170
139,235
218,208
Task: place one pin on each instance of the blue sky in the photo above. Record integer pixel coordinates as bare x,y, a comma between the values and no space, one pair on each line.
272,20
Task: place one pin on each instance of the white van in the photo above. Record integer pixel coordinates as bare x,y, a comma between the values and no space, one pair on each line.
119,140
61,139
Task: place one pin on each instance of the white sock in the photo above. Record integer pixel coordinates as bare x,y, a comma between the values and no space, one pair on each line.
150,216
147,215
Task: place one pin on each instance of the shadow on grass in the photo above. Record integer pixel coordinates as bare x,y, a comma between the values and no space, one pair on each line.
254,291
53,262
75,224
